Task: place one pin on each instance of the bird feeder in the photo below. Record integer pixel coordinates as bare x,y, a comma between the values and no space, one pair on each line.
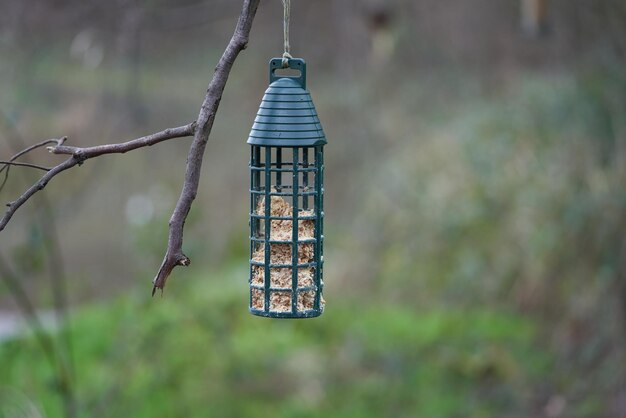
286,199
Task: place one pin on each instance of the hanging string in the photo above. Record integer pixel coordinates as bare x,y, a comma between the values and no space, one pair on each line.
286,18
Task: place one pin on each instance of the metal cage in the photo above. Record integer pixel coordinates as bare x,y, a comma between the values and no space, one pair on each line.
286,200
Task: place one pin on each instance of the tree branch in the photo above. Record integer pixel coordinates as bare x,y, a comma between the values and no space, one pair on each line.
174,255
145,141
80,155
201,130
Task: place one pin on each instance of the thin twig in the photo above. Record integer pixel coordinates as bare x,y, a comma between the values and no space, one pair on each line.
15,163
6,177
174,255
57,142
6,167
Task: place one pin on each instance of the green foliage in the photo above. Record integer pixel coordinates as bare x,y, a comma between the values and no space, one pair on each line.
517,202
210,358
527,173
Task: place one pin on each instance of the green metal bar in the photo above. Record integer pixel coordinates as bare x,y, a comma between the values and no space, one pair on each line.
309,193
322,216
319,161
268,228
305,175
253,221
282,289
256,154
288,315
273,241
283,218
282,170
294,235
255,184
279,174
300,265
321,260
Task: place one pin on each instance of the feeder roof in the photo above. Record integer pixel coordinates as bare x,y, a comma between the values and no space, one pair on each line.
287,117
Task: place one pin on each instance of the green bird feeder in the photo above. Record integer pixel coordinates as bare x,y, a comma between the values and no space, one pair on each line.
286,199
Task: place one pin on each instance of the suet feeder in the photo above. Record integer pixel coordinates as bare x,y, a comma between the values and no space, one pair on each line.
286,199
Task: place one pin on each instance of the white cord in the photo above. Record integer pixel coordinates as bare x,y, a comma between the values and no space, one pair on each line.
286,18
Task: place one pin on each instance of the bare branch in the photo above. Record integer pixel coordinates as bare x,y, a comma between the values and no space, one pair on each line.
58,142
174,255
29,165
124,147
80,155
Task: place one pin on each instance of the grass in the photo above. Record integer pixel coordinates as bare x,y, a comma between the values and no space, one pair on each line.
208,357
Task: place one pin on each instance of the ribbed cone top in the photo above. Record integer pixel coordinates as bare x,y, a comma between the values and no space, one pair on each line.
287,117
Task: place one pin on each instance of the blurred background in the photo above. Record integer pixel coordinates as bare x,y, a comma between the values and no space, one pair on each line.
475,212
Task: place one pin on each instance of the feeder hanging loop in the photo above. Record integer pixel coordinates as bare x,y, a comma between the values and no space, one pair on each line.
286,19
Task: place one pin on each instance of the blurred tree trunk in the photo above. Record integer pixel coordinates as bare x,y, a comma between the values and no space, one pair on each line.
534,17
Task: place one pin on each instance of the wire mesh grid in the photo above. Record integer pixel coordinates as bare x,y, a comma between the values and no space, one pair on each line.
286,231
